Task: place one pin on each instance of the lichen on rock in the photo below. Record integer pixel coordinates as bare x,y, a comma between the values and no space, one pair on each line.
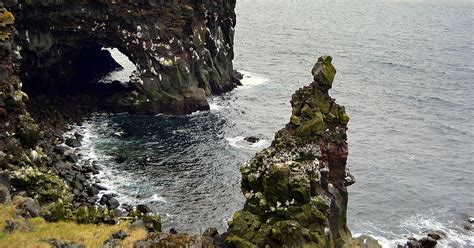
295,190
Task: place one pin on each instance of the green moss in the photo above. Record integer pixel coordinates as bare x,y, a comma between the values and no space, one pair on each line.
310,129
275,183
324,72
234,241
27,131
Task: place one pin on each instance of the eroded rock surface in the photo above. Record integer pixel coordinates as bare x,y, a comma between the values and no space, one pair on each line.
296,189
183,49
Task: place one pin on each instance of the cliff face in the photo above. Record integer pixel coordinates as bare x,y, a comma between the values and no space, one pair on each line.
182,49
296,189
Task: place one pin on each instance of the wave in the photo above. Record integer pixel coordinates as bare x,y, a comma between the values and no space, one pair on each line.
418,226
116,180
251,80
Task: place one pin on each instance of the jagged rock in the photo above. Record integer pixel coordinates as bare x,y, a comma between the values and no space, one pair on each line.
295,190
183,50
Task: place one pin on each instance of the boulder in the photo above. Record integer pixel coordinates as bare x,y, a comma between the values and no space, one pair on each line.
112,203
74,143
30,208
428,242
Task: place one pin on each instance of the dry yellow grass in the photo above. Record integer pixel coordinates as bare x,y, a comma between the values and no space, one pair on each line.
90,235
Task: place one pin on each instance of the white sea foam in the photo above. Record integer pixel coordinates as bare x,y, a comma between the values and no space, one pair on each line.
114,179
251,80
239,142
418,226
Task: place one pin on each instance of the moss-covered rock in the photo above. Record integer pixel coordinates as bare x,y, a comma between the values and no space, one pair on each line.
294,198
50,191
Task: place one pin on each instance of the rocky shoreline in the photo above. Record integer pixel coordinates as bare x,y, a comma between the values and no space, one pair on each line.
295,190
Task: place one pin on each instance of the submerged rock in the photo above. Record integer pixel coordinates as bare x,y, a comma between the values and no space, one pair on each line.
252,139
295,190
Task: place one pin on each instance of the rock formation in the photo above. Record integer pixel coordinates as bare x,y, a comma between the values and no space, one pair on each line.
295,190
182,49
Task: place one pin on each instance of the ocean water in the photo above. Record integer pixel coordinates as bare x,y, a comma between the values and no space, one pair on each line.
405,75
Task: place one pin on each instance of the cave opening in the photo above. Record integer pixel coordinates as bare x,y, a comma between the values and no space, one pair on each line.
72,83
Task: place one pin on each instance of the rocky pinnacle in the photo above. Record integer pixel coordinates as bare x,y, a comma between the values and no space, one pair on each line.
295,190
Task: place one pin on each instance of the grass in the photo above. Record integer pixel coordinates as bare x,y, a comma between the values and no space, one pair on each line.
89,235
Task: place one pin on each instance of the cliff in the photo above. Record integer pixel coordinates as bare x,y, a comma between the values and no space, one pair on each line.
183,49
295,190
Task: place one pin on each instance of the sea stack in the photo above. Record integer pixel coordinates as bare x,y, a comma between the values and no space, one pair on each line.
296,190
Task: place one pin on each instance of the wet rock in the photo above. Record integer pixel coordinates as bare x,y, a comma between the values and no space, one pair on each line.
413,243
78,136
144,208
110,201
252,139
59,150
74,143
436,235
92,191
99,186
428,242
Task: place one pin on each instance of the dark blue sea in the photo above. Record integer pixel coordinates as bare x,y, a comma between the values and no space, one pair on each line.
405,75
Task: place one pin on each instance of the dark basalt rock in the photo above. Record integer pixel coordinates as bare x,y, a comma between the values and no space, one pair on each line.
183,50
74,143
296,189
252,139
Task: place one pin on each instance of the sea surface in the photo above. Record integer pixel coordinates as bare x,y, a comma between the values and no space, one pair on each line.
405,75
